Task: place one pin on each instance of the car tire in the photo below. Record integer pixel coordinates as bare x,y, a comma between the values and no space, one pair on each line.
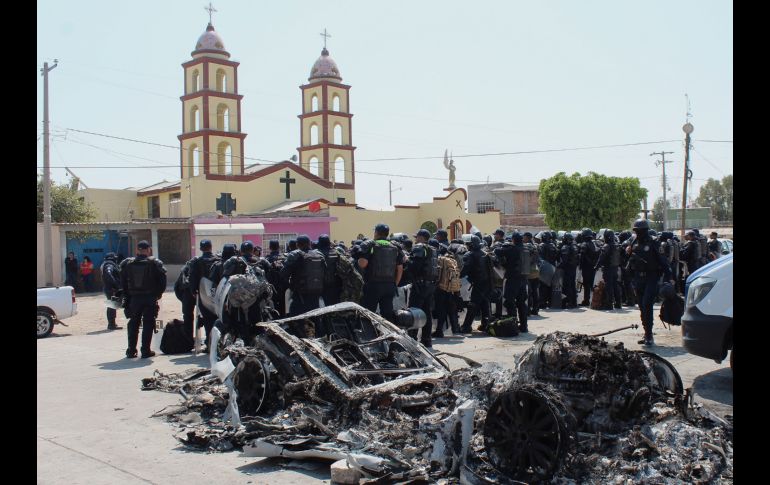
44,324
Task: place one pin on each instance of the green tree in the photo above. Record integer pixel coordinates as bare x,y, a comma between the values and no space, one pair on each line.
718,194
593,200
66,206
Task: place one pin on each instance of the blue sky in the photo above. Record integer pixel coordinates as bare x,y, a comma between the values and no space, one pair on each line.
473,77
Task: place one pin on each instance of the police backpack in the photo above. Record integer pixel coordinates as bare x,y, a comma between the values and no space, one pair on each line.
176,339
672,309
312,272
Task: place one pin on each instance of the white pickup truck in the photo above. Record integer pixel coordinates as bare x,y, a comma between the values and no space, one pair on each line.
53,305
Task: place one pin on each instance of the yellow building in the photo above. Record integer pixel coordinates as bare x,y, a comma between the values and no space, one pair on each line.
317,190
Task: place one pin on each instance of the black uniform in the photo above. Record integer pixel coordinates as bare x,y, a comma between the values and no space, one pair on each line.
609,261
184,292
548,252
497,294
589,254
275,262
304,272
533,280
332,281
143,280
690,254
424,272
647,265
477,267
515,293
201,268
380,275
568,261
111,287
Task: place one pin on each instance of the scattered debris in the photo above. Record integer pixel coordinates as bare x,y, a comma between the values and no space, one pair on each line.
342,384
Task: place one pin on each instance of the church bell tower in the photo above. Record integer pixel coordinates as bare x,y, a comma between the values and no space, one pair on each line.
211,139
326,146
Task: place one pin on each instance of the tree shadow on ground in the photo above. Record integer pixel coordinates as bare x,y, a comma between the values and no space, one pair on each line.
318,469
715,386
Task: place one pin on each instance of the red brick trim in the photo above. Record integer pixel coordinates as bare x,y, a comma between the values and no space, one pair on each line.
213,60
452,192
206,133
406,206
321,112
275,168
326,145
328,83
213,94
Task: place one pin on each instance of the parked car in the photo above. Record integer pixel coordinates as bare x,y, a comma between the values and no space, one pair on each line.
707,323
54,304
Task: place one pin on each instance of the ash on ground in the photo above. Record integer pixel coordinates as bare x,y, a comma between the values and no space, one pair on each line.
575,409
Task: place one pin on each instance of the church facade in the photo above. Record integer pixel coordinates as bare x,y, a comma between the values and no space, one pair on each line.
314,193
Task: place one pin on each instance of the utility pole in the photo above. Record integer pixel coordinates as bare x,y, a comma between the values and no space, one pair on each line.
47,177
665,185
687,128
390,192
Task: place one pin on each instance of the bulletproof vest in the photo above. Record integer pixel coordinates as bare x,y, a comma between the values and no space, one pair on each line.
589,253
548,252
643,256
140,276
431,269
382,264
704,245
698,251
311,272
482,265
332,258
614,254
674,250
569,255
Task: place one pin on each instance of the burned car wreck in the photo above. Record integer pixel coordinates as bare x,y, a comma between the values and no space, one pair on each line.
342,383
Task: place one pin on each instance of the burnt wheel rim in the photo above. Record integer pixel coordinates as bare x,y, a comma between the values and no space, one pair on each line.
43,324
251,382
522,435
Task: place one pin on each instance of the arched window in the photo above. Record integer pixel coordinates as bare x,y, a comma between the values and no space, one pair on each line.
223,117
192,161
314,103
224,158
196,81
221,80
314,134
315,167
338,172
195,119
335,103
338,134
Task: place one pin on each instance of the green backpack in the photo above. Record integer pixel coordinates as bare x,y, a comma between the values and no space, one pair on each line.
352,282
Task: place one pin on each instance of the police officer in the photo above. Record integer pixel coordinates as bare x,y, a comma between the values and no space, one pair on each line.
332,281
291,245
629,299
589,254
304,272
383,265
217,268
690,252
703,259
112,287
714,246
568,261
646,264
275,262
667,249
497,297
183,292
533,280
548,252
240,264
477,267
199,269
143,279
515,294
609,262
442,236
424,271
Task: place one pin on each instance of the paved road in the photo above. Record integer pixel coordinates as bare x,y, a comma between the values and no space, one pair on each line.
93,424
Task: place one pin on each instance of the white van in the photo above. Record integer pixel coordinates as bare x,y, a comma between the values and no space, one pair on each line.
707,323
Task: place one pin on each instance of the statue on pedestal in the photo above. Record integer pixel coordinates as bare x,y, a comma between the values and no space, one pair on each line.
450,165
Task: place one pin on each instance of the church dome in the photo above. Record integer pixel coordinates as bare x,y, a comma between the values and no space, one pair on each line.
325,67
210,41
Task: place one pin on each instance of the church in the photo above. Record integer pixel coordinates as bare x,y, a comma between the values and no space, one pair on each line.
222,197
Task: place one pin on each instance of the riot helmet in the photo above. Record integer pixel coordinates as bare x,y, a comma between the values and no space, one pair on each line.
475,242
641,225
567,238
609,236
